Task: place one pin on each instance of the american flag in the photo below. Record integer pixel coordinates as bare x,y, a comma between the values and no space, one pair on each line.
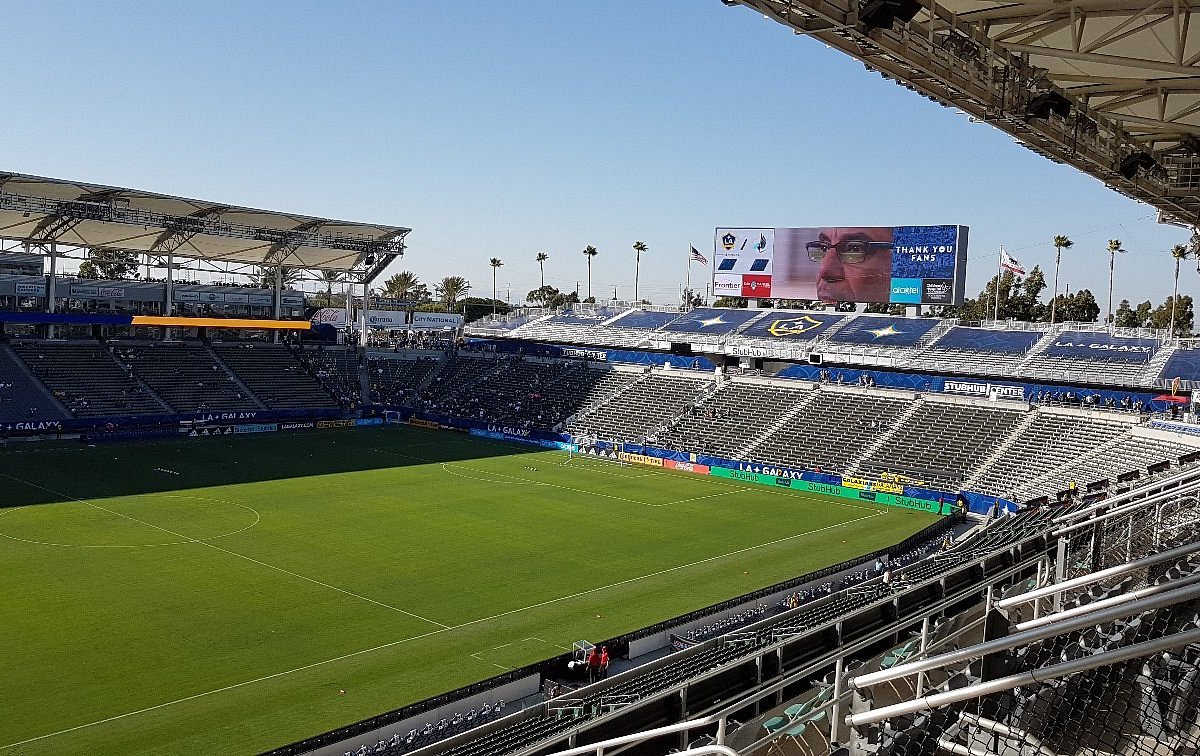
699,257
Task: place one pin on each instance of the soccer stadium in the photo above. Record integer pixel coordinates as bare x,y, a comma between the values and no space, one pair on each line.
241,514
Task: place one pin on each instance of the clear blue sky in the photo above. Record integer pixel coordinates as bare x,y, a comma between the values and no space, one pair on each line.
505,128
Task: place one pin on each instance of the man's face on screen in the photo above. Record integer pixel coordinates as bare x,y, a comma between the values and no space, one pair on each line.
855,264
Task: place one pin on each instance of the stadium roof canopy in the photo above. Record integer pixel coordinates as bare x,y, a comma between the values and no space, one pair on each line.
1111,87
43,211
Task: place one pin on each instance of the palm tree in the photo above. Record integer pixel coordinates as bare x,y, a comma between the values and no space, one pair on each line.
638,247
590,252
451,289
1180,253
1060,243
1114,246
401,285
541,258
266,276
330,277
495,263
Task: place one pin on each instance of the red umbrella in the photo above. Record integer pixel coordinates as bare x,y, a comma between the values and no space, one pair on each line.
1169,398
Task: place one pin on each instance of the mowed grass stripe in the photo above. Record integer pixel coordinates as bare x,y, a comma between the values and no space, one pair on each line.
476,555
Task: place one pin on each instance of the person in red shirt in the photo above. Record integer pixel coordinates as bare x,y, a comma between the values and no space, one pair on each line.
593,664
603,662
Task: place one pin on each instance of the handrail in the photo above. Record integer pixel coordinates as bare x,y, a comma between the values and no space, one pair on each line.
1131,506
1174,596
1105,603
1029,677
1079,582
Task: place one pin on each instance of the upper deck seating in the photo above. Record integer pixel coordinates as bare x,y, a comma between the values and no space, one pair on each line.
881,331
710,321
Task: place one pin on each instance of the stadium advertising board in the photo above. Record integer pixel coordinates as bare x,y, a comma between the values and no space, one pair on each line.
829,489
886,264
434,321
595,355
423,423
34,289
1101,346
984,388
335,423
297,426
386,319
525,438
32,426
640,459
692,467
256,428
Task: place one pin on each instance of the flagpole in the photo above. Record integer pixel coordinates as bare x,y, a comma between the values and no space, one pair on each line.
688,288
999,268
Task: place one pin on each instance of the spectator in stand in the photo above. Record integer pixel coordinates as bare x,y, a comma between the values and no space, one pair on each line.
604,661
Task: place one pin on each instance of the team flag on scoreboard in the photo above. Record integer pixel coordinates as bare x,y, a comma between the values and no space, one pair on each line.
699,257
1010,263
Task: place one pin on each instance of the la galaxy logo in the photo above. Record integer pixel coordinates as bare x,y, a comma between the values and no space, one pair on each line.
727,241
794,326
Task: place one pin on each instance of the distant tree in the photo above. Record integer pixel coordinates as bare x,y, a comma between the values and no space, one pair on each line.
1180,253
1175,313
451,289
474,308
590,252
1060,243
329,278
1125,317
495,263
638,247
264,276
541,258
405,285
1080,307
1114,246
732,302
548,296
113,264
691,299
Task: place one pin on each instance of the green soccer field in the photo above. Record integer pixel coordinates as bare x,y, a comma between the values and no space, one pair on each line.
216,595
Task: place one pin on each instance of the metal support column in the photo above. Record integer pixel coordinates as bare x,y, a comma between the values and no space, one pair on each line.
278,300
837,725
50,287
363,343
169,308
924,650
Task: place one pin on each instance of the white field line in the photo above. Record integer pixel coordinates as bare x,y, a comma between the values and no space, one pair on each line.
233,553
391,644
697,498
